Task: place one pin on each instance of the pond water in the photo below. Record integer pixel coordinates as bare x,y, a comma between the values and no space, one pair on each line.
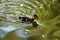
48,20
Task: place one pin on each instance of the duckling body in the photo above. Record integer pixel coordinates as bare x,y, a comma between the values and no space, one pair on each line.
26,20
29,20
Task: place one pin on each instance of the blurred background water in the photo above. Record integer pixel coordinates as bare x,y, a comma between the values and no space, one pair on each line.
48,12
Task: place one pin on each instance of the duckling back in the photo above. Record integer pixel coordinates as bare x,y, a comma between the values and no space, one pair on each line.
25,20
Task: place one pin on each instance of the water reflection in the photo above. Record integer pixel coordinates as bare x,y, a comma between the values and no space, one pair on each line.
24,33
5,30
2,33
10,10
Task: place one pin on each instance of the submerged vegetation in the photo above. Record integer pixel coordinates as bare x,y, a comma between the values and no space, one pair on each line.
48,12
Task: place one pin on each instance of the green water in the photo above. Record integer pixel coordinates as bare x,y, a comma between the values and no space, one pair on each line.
48,12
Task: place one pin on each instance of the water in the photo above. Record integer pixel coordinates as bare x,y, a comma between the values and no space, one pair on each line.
48,22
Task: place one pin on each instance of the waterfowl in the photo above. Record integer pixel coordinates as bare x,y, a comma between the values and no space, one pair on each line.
27,19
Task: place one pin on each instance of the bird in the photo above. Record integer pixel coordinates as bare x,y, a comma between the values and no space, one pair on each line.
28,20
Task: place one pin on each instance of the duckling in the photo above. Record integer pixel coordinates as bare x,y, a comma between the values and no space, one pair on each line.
27,19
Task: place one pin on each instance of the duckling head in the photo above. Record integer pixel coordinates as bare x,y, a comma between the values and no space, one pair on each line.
35,17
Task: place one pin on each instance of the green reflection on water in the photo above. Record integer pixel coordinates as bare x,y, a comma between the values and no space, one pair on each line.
47,10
